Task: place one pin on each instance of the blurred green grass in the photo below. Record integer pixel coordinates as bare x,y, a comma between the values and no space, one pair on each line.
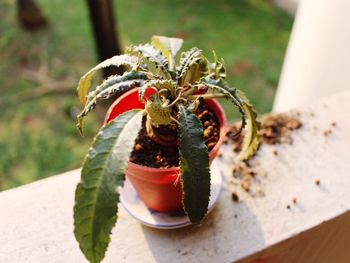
38,136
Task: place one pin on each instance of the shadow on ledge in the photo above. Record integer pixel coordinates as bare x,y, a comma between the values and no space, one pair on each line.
230,232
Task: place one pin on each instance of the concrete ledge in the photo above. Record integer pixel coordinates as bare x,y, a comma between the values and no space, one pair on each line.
36,220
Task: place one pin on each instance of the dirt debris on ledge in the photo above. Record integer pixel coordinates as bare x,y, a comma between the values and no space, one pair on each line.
248,179
275,129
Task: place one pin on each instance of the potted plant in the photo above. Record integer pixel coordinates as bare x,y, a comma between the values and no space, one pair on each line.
165,105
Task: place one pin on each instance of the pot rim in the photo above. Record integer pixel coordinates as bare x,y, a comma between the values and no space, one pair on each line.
218,111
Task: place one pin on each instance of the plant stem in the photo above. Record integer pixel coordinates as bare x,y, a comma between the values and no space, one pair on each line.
176,100
190,91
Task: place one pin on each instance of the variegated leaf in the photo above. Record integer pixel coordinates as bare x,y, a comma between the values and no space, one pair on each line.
110,86
153,55
251,138
193,66
169,46
85,81
218,85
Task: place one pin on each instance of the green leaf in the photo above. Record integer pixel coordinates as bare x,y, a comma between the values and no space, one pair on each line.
113,85
169,46
85,81
96,196
221,86
193,66
251,138
116,83
154,56
237,97
194,166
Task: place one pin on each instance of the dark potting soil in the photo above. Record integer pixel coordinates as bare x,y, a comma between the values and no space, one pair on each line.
147,152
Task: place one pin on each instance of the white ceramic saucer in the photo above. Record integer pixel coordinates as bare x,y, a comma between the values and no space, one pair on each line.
137,209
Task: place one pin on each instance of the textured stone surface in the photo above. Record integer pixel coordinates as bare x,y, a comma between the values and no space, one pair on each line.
36,222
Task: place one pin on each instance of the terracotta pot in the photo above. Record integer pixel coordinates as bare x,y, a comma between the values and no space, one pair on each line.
155,186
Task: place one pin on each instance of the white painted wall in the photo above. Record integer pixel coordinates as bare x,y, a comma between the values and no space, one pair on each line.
317,62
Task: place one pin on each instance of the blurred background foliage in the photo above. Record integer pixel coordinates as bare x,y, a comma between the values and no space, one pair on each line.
39,70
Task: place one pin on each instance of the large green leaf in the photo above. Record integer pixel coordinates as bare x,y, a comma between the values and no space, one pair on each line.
85,81
194,166
96,196
169,46
113,85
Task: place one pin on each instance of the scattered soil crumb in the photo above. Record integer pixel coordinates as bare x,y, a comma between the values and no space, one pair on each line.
234,138
288,206
248,177
184,253
138,147
242,170
245,186
334,124
294,200
318,182
327,132
235,197
275,153
235,216
260,193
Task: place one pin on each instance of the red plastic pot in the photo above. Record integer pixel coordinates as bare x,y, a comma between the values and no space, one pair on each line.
156,186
